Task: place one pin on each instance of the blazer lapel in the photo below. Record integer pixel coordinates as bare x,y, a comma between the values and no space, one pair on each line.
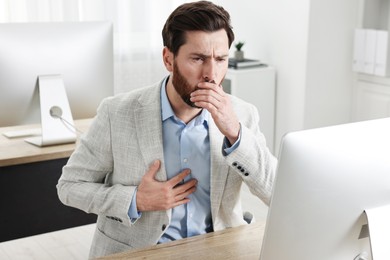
219,168
149,128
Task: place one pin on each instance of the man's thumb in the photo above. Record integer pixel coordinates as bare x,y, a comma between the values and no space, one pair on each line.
153,169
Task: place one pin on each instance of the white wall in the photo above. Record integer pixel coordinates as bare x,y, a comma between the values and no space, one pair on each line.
329,74
279,29
287,30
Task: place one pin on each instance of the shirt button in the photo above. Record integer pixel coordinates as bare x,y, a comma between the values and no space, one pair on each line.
185,160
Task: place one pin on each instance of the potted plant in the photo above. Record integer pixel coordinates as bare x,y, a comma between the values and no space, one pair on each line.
239,54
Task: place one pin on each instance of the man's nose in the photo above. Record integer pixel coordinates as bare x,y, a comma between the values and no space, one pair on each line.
209,71
208,80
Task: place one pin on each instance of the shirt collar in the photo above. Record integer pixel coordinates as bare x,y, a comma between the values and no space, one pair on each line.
167,111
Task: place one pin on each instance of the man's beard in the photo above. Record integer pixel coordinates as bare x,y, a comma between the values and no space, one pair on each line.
182,87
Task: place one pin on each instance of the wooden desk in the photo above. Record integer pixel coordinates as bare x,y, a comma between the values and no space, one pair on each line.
242,242
16,151
28,197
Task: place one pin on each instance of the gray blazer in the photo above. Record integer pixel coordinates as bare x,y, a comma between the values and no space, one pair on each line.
122,142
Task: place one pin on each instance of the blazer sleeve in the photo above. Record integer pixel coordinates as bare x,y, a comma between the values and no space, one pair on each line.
83,181
252,159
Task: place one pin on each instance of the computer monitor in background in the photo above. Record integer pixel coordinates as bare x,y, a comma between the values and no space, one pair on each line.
326,179
80,53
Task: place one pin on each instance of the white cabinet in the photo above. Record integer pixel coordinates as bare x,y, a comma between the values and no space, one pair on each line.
372,98
256,86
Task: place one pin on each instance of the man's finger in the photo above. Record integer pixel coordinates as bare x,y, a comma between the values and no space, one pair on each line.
185,187
179,178
184,194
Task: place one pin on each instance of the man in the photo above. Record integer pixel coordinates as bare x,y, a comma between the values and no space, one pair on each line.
167,161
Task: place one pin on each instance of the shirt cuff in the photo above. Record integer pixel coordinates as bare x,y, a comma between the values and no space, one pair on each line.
227,148
133,213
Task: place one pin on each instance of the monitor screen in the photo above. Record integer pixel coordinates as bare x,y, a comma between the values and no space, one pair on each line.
81,52
326,179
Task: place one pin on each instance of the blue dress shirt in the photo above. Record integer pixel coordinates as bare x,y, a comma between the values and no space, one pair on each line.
187,146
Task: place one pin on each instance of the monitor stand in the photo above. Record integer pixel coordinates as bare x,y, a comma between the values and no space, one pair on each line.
56,118
379,231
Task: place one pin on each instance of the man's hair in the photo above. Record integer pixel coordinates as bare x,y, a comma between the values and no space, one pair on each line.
197,16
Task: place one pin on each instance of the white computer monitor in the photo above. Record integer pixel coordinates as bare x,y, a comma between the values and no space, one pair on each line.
80,53
325,181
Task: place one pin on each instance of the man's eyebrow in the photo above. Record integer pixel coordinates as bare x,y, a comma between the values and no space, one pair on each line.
201,55
224,56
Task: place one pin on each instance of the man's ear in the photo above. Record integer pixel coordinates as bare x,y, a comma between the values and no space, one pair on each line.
168,59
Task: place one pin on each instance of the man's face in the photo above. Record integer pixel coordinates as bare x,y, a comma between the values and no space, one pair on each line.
204,57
